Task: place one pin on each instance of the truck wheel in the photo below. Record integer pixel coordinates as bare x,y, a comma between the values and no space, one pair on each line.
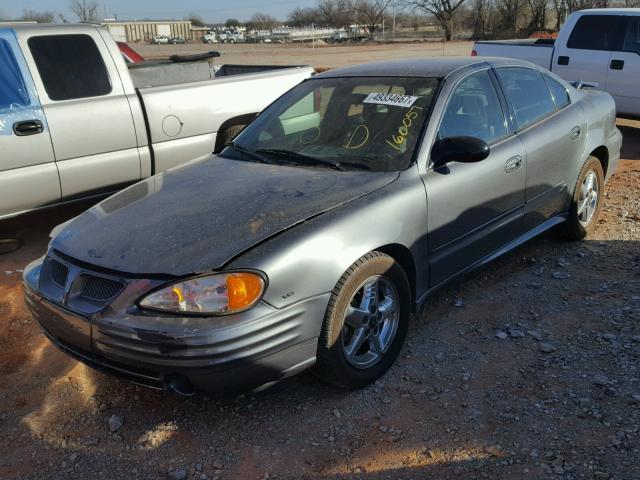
366,322
230,133
586,203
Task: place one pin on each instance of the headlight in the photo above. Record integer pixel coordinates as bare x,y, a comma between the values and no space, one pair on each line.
212,294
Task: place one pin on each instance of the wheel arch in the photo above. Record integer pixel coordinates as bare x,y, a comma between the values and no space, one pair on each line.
232,122
602,154
404,257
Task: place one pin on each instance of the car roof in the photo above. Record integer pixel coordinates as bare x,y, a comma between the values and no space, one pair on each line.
431,67
58,28
611,11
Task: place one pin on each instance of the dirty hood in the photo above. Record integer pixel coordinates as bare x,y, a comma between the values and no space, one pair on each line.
196,218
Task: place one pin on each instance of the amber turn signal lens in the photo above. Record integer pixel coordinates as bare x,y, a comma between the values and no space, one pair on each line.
243,289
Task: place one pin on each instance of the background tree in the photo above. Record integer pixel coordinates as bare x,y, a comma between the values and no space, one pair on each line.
442,10
370,13
302,17
232,23
262,21
86,10
34,16
196,20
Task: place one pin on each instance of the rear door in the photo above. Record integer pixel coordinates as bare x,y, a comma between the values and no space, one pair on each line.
91,123
587,52
624,70
553,131
28,173
474,208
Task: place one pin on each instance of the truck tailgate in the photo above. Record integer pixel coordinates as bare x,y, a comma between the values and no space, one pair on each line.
530,50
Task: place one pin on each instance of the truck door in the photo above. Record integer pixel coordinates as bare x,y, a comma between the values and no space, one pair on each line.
624,71
91,123
586,55
28,173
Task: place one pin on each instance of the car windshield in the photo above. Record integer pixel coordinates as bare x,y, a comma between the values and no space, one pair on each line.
353,123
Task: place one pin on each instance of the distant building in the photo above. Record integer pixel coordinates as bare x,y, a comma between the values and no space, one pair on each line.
132,31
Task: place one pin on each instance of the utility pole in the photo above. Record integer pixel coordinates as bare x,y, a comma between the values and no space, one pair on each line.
393,28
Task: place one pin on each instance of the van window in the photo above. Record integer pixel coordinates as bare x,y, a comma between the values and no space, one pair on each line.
528,93
598,32
632,38
13,91
70,66
559,92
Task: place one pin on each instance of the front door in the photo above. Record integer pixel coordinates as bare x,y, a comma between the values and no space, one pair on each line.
28,173
474,208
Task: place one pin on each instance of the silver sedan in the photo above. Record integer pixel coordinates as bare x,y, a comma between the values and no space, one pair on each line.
313,236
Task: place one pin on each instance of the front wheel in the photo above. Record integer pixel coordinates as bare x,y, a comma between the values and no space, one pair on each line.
586,203
366,322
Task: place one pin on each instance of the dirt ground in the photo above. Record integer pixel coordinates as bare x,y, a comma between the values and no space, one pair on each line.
528,368
303,54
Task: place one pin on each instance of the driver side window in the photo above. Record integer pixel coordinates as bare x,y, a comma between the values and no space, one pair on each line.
474,110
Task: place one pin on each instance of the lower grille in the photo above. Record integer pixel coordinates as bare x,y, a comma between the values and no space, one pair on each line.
100,289
59,273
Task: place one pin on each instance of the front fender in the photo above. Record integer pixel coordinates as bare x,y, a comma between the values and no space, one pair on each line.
310,258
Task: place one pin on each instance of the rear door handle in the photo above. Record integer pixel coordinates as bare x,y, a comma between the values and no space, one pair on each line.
28,127
575,133
563,60
513,164
616,64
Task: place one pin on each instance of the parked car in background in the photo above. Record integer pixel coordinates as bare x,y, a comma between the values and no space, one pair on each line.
76,122
129,54
177,40
600,47
160,39
314,235
231,37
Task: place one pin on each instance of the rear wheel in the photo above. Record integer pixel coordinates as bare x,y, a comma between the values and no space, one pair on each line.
366,322
587,201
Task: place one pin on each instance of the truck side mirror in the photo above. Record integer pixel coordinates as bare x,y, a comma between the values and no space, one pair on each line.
459,149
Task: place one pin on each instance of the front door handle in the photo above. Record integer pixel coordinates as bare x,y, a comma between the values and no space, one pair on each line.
513,164
575,133
28,127
616,64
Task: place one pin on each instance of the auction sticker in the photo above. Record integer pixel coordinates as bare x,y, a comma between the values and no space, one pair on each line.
390,99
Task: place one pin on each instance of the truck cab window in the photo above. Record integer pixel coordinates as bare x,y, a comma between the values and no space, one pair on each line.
70,66
598,32
632,38
13,91
528,93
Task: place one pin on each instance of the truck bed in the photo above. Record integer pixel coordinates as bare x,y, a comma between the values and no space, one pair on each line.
534,50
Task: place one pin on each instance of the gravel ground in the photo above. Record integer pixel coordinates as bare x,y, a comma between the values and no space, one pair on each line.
528,368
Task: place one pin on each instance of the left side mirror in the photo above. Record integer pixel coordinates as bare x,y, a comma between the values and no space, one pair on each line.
459,149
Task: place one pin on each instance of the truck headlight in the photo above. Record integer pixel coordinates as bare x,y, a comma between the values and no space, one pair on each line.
216,294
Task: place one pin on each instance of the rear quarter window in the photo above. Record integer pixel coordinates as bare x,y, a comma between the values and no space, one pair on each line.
70,66
558,91
13,91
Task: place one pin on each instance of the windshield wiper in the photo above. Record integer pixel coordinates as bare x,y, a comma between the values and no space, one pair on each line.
300,157
250,154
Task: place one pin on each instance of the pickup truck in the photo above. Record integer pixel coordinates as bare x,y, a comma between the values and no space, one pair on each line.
76,122
600,47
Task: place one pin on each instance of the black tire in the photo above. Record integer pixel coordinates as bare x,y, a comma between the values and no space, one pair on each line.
332,365
230,133
573,229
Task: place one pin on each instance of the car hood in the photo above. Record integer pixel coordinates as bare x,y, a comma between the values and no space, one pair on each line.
198,217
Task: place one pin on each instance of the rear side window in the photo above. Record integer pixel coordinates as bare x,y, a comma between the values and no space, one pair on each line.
528,94
558,91
598,32
70,66
13,91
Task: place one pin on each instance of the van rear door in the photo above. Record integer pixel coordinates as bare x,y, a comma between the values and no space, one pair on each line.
28,173
587,51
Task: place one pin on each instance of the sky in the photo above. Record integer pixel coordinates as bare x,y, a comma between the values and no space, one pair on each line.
210,10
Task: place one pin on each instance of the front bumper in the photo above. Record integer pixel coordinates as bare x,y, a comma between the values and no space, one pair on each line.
233,352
